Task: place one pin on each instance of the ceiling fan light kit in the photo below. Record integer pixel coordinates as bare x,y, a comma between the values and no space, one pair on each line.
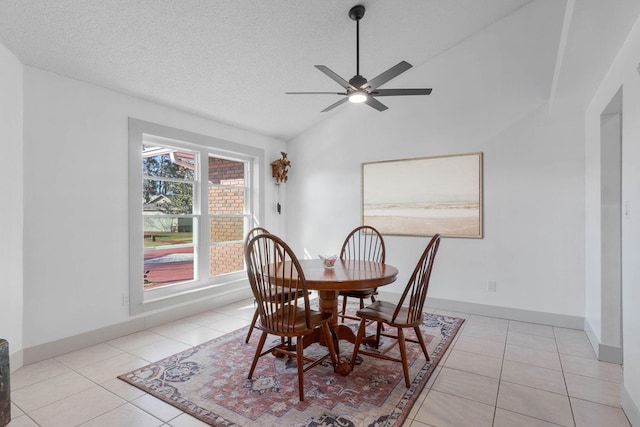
358,89
358,97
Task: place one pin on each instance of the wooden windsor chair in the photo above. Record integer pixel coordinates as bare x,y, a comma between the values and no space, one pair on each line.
273,270
363,243
406,314
278,297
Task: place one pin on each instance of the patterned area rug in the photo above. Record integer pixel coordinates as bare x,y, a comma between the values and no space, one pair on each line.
210,382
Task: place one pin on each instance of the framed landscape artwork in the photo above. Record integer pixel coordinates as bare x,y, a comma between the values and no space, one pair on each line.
424,196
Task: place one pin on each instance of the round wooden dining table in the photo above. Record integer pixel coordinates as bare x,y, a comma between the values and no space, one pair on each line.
345,275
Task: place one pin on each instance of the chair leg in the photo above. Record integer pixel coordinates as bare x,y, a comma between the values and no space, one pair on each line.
403,356
361,303
300,361
253,323
379,329
421,341
263,338
356,345
344,304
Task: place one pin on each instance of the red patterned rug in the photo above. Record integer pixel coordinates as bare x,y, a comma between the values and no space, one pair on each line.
210,382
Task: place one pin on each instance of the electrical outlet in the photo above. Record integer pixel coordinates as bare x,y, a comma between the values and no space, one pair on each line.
491,286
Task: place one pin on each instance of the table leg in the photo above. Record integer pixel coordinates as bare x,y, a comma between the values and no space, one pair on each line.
328,302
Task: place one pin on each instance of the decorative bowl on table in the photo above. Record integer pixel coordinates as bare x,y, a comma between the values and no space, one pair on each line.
328,261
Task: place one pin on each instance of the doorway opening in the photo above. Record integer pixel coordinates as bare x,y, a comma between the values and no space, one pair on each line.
610,348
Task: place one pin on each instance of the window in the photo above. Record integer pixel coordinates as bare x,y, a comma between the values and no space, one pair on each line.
192,200
168,181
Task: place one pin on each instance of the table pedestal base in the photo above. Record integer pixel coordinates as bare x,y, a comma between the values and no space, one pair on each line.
328,302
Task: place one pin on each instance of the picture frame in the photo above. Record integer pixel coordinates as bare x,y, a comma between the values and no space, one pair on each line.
425,195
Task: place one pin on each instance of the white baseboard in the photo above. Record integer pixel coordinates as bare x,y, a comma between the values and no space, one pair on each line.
609,353
540,317
605,353
593,338
629,407
16,360
147,320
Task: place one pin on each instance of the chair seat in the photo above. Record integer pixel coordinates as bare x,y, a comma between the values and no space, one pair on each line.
382,311
299,324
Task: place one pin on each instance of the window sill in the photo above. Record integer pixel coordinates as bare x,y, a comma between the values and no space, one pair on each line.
238,285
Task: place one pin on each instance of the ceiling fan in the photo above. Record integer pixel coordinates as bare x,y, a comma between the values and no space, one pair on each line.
358,89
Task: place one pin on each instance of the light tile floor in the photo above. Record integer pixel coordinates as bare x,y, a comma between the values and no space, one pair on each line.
496,373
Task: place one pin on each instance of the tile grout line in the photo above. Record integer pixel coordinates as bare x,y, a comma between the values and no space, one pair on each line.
564,378
504,352
535,388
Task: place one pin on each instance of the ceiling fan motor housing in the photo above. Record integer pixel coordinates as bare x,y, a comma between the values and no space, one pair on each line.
358,81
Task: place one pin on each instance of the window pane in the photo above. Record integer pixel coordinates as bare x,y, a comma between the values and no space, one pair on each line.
227,258
167,162
226,229
226,200
226,172
226,197
167,266
167,197
167,231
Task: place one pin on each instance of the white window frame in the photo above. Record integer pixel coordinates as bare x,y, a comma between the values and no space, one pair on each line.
141,300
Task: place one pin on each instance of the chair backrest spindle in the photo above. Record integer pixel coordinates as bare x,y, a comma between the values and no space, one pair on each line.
364,243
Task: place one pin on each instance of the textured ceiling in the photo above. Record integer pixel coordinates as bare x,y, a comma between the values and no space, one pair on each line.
233,60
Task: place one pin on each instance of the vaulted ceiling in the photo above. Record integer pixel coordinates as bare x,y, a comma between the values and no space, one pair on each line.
233,60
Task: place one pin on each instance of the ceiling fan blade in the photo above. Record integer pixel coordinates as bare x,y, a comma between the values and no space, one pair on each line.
392,72
342,82
401,92
315,93
335,104
372,102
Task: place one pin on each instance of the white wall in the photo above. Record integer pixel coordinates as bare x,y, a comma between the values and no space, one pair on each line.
533,207
75,204
533,176
11,213
623,73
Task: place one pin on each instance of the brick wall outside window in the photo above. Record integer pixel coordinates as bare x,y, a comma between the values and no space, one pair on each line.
226,257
